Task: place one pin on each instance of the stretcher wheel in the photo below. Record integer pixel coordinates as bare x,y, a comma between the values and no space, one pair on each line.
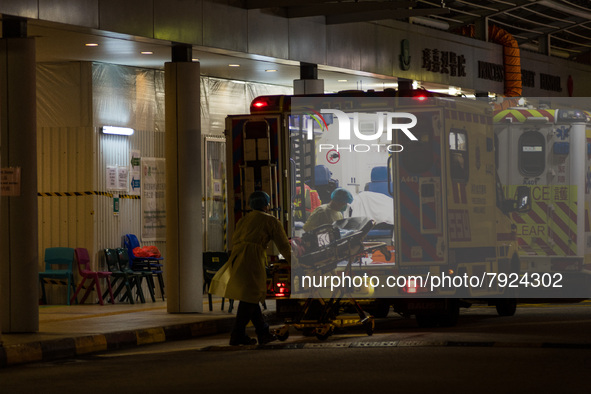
322,333
368,328
283,337
282,333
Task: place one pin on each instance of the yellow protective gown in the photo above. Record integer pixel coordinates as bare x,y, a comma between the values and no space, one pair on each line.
244,277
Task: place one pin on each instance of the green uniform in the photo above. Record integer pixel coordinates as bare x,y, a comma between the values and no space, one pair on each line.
244,276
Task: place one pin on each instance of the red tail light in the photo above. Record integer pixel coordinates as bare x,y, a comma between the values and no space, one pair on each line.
281,290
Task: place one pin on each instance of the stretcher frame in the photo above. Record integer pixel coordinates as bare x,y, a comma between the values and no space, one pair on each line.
350,248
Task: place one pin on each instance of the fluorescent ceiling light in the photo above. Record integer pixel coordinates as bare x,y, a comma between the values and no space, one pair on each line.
233,65
417,20
147,53
117,130
564,8
92,44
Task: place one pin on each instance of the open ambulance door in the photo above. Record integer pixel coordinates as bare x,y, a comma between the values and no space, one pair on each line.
255,162
419,199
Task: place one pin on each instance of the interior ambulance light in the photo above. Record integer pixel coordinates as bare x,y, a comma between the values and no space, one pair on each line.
117,130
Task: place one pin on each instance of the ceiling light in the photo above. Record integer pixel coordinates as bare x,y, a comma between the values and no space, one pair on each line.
147,53
233,65
117,130
195,60
271,71
341,80
417,20
564,8
92,44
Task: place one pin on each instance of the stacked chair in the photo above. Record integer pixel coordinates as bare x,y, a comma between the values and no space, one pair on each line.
83,260
153,265
123,277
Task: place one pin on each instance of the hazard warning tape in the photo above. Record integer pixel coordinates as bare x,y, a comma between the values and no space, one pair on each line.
78,194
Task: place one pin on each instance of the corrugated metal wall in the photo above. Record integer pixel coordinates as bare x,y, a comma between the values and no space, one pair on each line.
74,101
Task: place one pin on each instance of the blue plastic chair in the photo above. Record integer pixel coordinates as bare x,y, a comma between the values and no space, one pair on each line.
379,181
59,264
151,264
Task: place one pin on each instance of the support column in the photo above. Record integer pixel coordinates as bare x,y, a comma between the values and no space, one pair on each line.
184,238
19,265
308,82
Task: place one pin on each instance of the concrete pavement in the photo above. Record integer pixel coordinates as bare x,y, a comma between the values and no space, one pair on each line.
68,331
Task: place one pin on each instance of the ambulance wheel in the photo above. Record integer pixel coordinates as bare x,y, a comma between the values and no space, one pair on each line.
506,306
451,315
427,320
380,309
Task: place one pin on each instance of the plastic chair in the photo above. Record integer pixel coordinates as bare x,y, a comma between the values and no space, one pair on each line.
127,278
212,262
83,260
139,275
54,259
323,183
379,181
138,263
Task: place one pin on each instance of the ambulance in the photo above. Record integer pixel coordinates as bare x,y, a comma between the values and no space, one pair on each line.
549,151
450,217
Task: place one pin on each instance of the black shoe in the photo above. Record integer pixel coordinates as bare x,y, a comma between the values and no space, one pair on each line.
243,341
266,338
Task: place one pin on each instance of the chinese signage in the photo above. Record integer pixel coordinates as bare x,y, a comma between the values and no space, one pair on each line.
444,62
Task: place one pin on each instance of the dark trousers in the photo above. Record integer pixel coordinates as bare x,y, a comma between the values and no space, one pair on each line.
248,312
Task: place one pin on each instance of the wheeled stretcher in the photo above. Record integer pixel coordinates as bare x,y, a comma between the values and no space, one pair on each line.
323,251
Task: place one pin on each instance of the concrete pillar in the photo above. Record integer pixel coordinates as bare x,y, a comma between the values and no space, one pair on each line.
19,265
308,82
184,238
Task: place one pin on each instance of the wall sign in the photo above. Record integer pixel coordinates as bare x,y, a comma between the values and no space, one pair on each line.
444,62
11,181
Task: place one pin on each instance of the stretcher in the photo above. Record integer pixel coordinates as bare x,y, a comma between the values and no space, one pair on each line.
323,251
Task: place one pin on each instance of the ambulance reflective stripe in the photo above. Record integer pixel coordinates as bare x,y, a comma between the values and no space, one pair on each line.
410,223
521,115
550,227
565,229
420,237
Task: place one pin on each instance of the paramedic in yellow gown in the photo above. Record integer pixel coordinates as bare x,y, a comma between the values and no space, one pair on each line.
244,276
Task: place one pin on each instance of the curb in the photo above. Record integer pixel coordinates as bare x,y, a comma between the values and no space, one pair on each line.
55,349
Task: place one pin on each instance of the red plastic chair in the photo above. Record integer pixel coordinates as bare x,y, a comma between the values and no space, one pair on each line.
85,273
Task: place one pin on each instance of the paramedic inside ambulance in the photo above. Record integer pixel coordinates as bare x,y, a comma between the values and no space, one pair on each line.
331,212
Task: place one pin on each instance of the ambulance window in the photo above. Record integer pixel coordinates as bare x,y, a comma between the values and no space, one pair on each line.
458,155
532,157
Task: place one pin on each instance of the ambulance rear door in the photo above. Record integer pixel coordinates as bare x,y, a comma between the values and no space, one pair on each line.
418,179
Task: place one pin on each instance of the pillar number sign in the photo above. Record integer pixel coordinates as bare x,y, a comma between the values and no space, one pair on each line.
11,181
